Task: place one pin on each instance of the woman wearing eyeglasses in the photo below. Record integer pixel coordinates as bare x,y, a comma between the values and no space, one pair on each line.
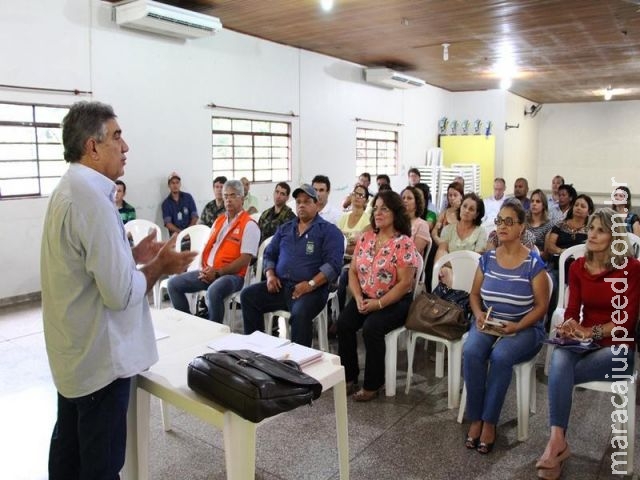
381,279
511,283
353,223
604,296
622,205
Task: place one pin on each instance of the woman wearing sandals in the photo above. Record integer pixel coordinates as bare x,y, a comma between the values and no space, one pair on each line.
511,287
592,290
381,280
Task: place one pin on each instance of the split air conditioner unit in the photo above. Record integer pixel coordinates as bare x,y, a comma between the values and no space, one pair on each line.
385,77
164,19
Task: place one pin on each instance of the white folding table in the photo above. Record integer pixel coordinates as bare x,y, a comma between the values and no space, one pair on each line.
187,338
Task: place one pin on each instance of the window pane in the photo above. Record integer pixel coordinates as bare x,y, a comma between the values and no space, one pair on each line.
222,152
245,173
17,152
219,139
280,163
262,141
263,152
263,175
241,125
50,114
17,134
19,169
244,164
222,164
51,152
242,152
280,152
16,113
281,142
282,128
262,163
242,140
261,127
19,186
53,169
50,135
219,123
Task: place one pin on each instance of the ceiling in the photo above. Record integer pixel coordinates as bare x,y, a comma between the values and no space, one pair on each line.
559,50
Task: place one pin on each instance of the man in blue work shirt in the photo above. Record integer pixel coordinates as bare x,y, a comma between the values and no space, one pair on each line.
303,258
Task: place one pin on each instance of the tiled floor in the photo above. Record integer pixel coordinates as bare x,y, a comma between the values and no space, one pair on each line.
407,437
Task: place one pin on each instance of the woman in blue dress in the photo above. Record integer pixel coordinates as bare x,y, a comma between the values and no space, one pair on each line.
512,282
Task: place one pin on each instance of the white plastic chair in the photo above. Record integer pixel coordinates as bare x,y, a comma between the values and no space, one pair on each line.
463,264
199,234
525,391
557,317
139,229
391,343
253,275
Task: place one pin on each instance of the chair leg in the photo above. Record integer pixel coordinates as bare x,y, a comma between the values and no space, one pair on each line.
439,360
411,348
323,338
454,372
166,419
533,402
463,404
391,362
523,394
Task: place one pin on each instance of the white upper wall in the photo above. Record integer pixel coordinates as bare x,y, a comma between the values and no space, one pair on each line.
160,88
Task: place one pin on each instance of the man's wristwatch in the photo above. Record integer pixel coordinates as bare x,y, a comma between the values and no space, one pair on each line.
312,283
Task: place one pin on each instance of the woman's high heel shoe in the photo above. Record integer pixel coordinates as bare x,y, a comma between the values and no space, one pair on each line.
550,463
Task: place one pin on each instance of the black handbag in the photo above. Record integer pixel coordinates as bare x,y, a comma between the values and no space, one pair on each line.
250,384
446,317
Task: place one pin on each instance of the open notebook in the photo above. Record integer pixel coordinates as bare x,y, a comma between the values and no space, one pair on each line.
274,347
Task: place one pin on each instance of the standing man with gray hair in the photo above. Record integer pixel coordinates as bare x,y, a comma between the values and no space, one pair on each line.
97,323
233,242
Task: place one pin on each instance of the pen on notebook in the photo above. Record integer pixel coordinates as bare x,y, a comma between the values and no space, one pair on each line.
486,317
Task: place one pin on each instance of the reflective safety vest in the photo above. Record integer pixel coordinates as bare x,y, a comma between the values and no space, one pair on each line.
229,249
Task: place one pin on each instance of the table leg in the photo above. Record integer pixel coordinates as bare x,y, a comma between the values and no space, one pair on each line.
136,464
340,404
239,447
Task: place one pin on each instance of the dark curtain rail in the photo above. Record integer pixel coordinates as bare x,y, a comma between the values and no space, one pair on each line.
263,112
379,122
48,90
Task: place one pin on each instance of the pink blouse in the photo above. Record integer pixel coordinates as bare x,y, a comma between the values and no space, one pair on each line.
378,272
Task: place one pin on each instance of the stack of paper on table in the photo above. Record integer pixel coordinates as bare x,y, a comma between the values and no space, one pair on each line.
274,347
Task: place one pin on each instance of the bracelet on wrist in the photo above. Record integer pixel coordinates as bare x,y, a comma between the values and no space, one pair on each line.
597,332
380,304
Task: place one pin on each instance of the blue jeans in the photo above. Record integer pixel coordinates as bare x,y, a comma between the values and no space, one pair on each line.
569,368
90,435
217,291
487,365
256,301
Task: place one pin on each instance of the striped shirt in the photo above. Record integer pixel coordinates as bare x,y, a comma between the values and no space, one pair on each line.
509,290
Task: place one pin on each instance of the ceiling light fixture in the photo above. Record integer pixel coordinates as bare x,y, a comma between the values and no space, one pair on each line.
608,93
505,83
445,51
326,5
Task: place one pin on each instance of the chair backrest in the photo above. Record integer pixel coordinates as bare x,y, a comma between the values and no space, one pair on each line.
140,228
418,275
574,252
634,240
259,262
199,234
464,264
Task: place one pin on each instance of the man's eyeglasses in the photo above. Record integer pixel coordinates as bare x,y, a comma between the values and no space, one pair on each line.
230,195
509,222
358,194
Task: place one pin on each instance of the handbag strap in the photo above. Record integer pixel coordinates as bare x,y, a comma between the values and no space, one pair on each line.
275,368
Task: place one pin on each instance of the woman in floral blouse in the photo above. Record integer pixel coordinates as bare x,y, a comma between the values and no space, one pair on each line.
381,280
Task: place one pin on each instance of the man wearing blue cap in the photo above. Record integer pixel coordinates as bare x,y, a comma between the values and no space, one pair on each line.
303,258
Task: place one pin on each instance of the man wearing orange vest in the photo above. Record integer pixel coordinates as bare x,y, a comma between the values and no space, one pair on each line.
233,241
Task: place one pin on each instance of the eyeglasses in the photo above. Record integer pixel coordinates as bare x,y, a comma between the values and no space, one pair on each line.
384,210
230,195
358,194
509,222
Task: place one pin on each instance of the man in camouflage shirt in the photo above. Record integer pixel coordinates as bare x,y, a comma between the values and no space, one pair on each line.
280,213
216,206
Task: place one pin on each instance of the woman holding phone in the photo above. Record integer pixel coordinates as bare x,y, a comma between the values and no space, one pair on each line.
511,285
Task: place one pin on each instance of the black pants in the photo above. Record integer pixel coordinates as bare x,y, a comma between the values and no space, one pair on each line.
374,328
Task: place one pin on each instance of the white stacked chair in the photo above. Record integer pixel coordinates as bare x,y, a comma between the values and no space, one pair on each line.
138,229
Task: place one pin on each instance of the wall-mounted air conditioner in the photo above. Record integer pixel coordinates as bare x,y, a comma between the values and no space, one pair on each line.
385,77
164,19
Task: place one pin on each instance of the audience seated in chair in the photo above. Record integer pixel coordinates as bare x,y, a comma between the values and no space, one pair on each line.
381,278
604,282
178,209
216,206
277,215
304,256
233,242
488,359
